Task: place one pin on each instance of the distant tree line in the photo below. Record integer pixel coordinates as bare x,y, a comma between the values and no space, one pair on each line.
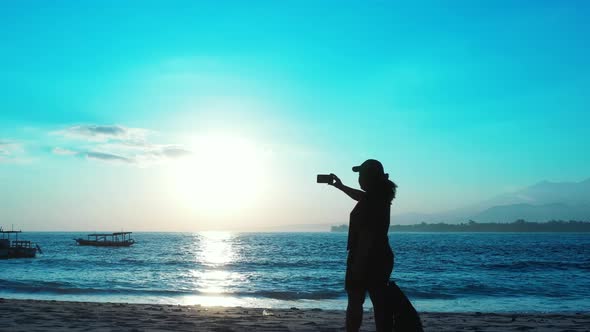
519,225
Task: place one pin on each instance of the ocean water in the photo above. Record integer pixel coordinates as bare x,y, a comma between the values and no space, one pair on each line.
487,272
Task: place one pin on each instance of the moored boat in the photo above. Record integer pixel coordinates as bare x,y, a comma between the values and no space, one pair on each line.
119,239
16,248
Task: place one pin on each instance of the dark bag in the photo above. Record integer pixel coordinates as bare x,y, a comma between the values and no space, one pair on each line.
405,317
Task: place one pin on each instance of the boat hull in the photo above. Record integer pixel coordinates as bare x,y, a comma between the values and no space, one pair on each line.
15,248
83,242
7,253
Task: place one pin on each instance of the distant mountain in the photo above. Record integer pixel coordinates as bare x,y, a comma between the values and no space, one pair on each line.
571,193
540,202
537,213
472,226
413,218
291,228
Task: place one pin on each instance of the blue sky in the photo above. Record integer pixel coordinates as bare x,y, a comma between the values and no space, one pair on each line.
105,106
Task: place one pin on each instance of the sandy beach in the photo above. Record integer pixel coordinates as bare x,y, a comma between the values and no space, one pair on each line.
34,315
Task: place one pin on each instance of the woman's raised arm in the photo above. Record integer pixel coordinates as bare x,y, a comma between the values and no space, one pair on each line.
355,194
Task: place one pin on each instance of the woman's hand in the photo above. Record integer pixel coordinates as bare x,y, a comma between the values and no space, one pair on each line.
336,182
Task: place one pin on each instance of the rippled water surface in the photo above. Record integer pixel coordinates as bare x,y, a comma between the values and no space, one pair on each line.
439,271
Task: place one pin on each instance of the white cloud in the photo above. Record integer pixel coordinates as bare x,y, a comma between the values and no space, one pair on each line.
104,133
9,147
171,152
63,152
108,157
115,143
11,151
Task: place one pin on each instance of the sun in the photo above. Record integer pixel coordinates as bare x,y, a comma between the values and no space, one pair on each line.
224,175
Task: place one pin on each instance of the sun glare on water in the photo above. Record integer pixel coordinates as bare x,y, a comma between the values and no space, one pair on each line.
224,175
212,281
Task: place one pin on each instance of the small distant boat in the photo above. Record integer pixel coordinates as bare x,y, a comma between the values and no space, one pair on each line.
120,239
16,248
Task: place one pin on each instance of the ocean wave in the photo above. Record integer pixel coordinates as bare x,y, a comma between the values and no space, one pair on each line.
299,264
44,287
428,295
540,271
293,295
64,288
538,266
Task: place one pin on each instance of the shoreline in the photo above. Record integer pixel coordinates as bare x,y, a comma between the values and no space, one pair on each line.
51,315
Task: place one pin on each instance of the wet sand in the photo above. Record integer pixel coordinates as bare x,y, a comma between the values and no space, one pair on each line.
34,315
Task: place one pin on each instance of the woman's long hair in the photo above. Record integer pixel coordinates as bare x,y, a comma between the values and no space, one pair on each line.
391,187
381,185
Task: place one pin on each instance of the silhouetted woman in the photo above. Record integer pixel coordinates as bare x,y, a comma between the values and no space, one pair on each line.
370,258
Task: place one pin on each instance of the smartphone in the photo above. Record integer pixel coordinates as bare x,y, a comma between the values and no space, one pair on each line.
324,178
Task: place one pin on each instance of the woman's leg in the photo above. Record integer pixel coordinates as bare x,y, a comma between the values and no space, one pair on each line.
382,307
379,293
354,310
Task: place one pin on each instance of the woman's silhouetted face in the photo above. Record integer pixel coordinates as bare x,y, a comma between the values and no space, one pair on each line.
366,181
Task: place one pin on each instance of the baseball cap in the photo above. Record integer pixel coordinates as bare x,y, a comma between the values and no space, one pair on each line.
369,165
